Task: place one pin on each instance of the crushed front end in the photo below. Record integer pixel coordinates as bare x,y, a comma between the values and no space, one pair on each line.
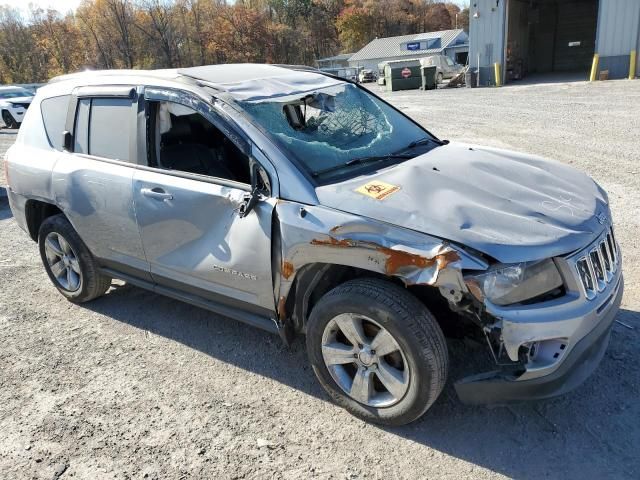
549,344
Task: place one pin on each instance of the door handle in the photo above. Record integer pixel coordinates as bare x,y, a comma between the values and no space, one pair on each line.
156,194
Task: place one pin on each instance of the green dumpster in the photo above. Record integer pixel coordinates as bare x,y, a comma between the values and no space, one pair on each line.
402,75
428,77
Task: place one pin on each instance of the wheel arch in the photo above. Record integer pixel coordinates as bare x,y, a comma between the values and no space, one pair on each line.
36,212
313,281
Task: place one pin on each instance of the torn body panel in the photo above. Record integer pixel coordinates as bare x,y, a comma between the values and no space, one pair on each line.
325,236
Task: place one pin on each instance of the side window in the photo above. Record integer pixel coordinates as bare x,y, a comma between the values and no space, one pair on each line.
110,127
449,61
179,138
104,127
54,116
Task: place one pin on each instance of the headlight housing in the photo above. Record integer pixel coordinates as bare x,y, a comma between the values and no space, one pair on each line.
514,283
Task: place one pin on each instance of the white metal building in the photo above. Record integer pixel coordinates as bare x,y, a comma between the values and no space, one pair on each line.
453,43
543,36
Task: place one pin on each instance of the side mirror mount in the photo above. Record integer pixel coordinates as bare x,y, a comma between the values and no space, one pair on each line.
258,188
67,140
249,202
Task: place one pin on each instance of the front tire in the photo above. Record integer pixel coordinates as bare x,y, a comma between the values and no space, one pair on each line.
9,121
440,78
68,262
377,351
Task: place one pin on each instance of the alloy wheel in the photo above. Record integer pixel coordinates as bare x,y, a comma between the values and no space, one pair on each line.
63,262
365,360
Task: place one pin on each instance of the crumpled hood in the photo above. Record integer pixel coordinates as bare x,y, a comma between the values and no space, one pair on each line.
510,206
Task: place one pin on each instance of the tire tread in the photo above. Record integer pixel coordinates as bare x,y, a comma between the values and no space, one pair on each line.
95,284
408,310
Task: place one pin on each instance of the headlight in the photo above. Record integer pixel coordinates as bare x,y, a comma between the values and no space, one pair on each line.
507,284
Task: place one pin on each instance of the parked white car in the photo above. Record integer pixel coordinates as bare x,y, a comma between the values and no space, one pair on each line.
14,102
445,67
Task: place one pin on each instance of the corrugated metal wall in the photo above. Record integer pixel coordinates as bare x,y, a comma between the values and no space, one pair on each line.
486,36
618,34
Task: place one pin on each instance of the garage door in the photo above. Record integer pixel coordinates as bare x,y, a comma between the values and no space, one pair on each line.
575,35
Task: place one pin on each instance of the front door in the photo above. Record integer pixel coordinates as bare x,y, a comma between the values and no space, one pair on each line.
187,203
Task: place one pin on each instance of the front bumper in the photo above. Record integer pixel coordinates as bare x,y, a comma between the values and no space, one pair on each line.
576,366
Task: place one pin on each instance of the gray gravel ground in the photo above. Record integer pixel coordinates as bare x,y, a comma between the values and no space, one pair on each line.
134,385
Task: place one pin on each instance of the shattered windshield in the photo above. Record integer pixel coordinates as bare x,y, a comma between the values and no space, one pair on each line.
333,132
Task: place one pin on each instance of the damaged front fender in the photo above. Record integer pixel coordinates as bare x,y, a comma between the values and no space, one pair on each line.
316,234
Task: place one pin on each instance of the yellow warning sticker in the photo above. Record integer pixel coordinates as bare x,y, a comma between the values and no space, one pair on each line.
377,189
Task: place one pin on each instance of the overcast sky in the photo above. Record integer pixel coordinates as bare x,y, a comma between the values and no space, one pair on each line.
61,5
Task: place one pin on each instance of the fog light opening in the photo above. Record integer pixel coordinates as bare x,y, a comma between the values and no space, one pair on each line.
544,353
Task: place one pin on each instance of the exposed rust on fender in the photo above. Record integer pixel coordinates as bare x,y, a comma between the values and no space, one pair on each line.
333,242
397,259
282,313
336,228
287,269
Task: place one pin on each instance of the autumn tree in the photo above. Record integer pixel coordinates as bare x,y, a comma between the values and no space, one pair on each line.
107,34
18,47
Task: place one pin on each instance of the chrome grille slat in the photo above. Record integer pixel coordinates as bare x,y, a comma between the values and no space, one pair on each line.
611,248
601,260
606,260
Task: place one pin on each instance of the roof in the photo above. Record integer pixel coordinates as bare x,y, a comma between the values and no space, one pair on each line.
391,46
243,81
341,56
160,73
252,82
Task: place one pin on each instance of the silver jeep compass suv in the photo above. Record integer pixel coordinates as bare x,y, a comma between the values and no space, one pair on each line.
298,202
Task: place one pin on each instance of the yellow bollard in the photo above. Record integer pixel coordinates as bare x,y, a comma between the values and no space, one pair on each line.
594,67
496,67
632,65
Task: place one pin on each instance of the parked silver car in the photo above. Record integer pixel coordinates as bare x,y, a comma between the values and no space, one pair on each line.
302,203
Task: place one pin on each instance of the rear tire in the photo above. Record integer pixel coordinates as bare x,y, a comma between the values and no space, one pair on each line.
440,78
386,388
68,262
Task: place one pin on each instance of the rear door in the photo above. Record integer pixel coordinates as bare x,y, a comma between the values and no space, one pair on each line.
187,201
92,180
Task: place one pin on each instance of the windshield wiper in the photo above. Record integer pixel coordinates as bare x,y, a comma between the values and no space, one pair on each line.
362,161
425,140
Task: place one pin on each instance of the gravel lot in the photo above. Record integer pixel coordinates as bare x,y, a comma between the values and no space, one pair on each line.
134,385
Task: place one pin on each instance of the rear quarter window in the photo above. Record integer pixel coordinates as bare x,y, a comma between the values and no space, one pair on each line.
54,117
